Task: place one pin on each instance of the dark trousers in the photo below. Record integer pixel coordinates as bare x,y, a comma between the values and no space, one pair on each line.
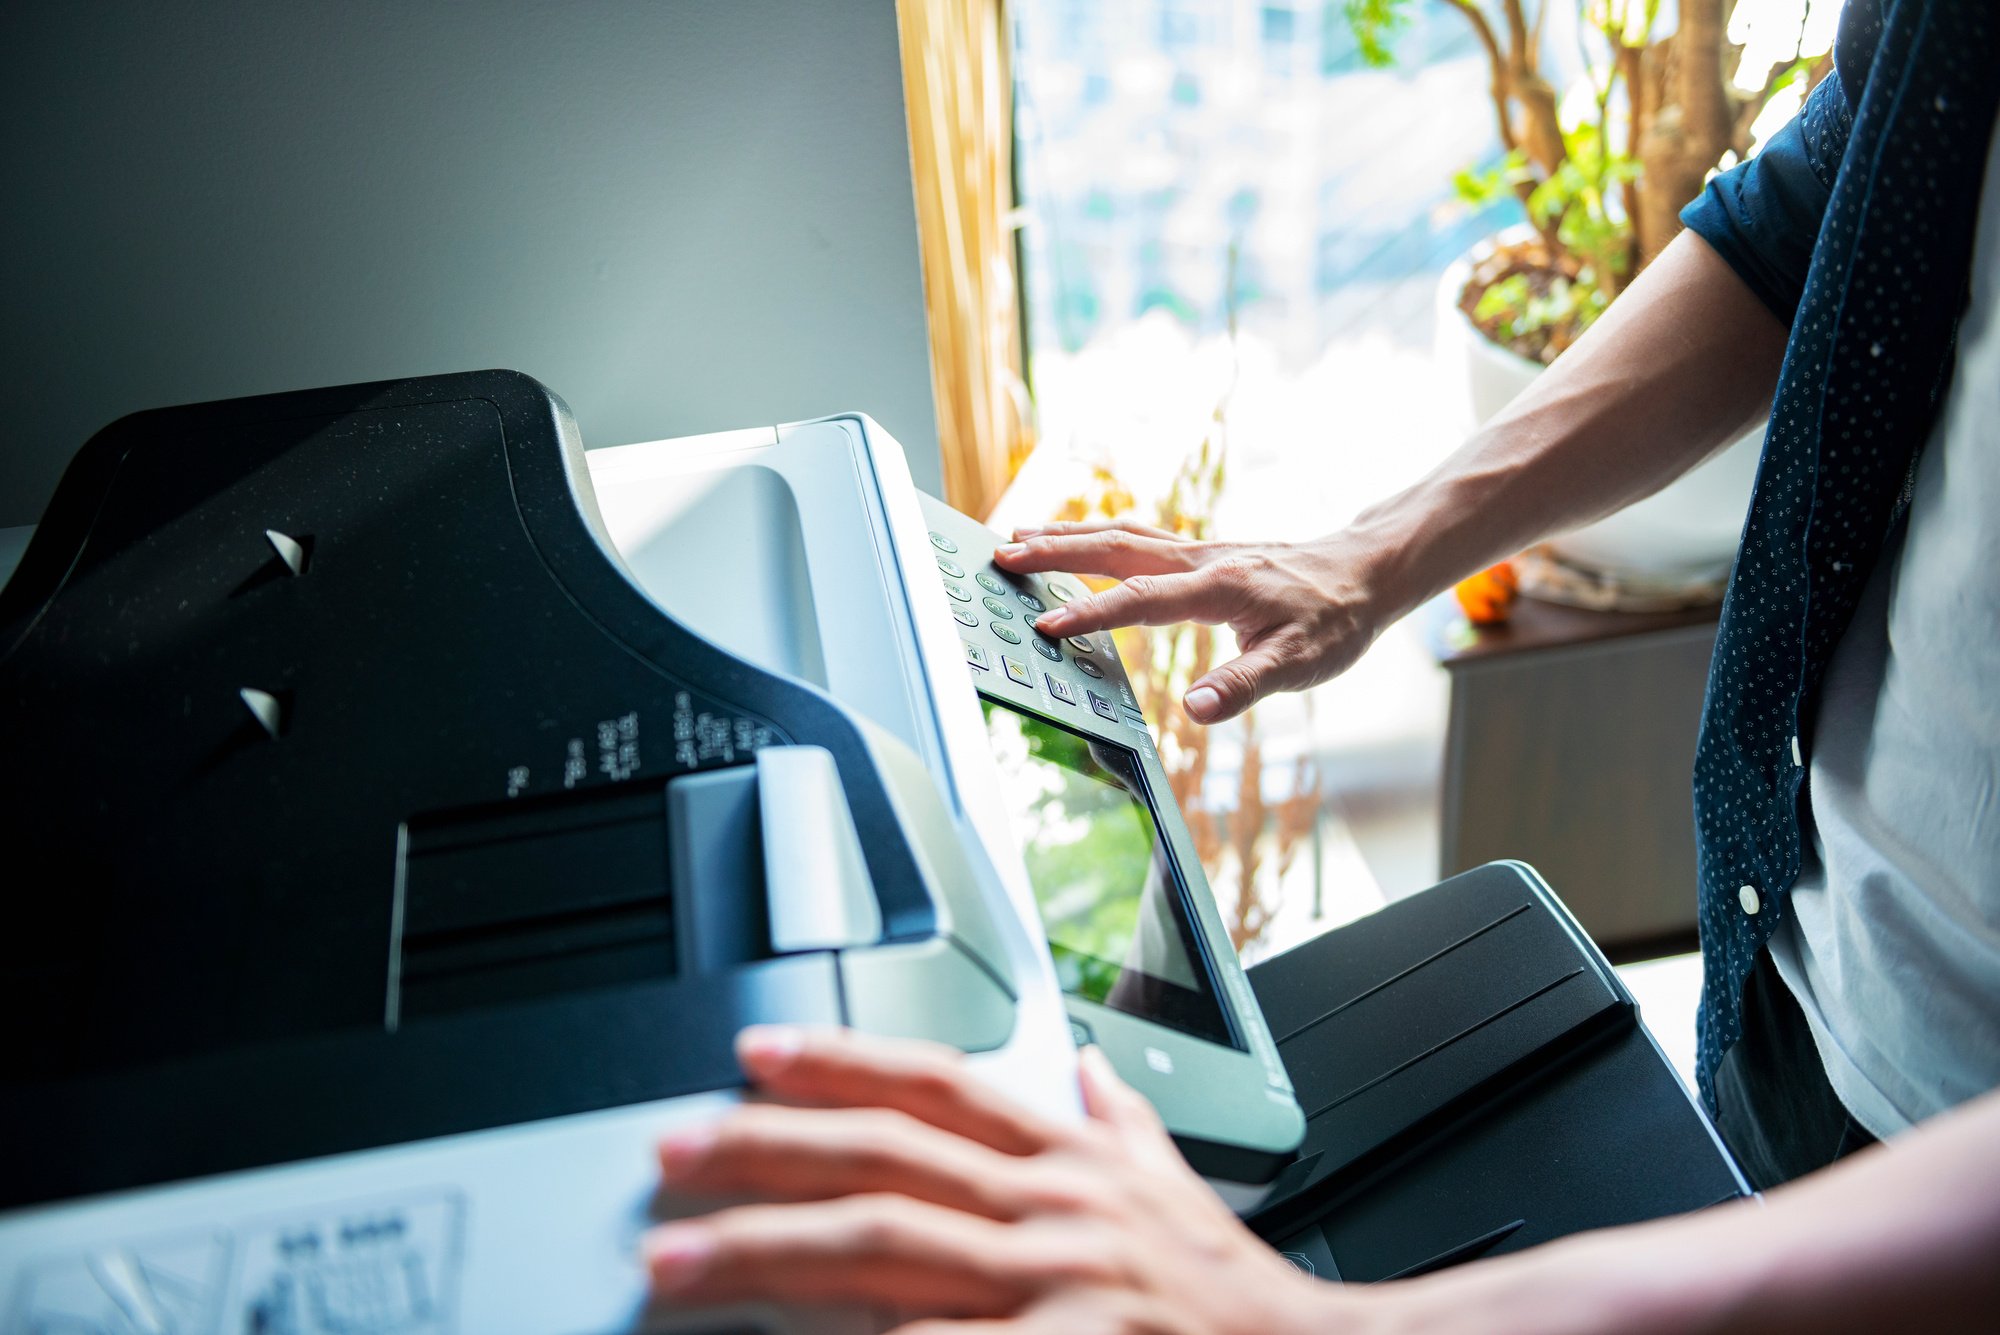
1774,1106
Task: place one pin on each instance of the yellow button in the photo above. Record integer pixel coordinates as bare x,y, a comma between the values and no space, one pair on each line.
1747,897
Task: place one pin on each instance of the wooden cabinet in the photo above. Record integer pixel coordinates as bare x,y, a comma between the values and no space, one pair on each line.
1570,746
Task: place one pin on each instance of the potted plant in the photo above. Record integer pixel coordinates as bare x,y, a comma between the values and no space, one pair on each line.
1252,826
1602,175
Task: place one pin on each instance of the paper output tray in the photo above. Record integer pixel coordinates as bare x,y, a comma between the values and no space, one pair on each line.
1475,1080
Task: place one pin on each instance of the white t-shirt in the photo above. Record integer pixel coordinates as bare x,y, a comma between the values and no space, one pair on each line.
1893,946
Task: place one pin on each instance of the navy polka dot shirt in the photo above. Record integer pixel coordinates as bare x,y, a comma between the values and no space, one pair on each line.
1855,226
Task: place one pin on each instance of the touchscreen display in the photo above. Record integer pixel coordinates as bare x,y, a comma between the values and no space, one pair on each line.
1109,897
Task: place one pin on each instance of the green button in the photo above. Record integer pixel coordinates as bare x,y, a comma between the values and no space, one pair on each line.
1007,633
998,609
990,583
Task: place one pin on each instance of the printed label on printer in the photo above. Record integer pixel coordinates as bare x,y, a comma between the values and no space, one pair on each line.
376,1267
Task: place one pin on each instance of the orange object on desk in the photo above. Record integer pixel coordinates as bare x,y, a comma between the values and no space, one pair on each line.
1488,597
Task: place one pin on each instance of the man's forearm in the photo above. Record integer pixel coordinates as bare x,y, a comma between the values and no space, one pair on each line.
1903,1236
1683,362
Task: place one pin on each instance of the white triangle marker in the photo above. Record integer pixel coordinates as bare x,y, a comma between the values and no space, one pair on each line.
288,549
264,707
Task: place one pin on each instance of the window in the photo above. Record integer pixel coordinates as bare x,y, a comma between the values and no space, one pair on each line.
1190,168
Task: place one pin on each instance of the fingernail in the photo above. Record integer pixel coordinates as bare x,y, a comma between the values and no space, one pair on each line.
683,1149
677,1254
1021,533
1202,703
768,1048
1010,549
1099,1064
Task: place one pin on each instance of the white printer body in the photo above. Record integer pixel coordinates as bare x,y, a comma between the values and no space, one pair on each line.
807,551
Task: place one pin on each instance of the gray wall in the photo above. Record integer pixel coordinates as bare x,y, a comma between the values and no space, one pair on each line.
682,215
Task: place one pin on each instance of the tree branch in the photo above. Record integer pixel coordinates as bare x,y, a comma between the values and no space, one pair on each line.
1497,60
1517,34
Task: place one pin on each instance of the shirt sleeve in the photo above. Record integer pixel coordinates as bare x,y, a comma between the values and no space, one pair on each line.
1763,216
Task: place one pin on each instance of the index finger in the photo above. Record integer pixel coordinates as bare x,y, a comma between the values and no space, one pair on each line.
928,1081
1118,552
1071,528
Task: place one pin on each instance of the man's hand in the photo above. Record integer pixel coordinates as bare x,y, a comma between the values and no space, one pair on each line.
914,1187
1302,612
1680,365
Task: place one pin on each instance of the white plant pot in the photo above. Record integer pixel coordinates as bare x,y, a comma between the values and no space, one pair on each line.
1685,534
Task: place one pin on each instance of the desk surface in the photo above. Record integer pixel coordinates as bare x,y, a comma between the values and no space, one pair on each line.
1538,625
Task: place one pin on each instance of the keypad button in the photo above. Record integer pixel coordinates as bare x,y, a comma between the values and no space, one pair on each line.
1083,644
1046,649
951,567
1005,632
990,582
1031,602
942,543
1102,707
976,655
998,609
1063,592
1060,689
1017,671
1089,669
958,591
965,616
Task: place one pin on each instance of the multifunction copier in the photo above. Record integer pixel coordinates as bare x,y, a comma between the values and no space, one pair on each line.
405,809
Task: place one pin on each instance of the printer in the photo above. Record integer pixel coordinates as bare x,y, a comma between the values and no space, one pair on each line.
405,810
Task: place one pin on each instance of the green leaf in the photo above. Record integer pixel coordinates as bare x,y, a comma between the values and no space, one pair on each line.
1376,25
1481,187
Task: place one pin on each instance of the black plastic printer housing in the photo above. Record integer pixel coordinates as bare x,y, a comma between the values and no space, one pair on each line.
1475,1080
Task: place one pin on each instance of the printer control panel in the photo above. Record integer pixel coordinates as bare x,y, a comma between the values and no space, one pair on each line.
1147,967
996,612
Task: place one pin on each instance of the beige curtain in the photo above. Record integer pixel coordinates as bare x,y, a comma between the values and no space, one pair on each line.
957,89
